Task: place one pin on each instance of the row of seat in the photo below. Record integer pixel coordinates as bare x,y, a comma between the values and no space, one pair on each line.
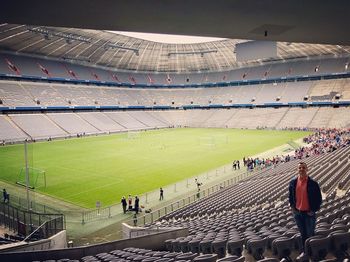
267,186
267,226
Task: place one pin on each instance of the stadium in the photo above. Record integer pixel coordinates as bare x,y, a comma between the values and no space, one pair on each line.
119,146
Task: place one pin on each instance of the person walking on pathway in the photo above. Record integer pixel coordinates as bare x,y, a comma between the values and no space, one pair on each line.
161,194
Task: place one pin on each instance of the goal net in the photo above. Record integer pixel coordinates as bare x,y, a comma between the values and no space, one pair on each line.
213,141
37,177
208,141
133,135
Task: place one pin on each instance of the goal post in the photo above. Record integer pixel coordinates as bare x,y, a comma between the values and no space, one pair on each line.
133,134
37,177
208,141
213,141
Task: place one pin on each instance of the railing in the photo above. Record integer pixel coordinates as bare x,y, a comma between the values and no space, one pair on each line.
151,217
26,222
46,229
21,203
178,189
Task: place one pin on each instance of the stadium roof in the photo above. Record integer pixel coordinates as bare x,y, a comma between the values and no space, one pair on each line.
106,49
310,21
292,22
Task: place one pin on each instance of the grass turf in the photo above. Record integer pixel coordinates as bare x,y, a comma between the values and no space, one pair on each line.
104,168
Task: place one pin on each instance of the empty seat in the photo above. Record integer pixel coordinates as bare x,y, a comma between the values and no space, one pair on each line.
169,245
186,256
271,238
139,258
235,246
176,244
206,258
164,260
171,255
282,247
205,246
150,259
194,245
317,247
232,259
340,243
219,247
184,245
257,247
322,231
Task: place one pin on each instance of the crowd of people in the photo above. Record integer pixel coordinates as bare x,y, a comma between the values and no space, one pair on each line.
322,141
130,204
259,163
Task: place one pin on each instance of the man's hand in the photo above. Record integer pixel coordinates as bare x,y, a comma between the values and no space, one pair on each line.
310,213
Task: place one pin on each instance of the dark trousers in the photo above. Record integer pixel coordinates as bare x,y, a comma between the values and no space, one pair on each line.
306,225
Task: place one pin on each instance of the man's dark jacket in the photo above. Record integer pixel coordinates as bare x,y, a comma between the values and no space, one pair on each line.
313,193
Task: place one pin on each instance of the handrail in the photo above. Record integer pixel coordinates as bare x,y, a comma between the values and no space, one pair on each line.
24,240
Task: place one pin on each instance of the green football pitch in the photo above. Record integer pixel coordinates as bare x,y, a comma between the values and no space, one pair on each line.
104,168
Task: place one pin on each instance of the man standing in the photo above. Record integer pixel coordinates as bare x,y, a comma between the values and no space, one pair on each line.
130,202
124,204
198,184
161,194
137,205
305,199
4,195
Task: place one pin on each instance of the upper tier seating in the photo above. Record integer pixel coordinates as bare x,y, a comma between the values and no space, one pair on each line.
28,66
44,94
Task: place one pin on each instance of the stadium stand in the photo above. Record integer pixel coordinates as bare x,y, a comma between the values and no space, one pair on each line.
56,125
38,126
126,120
46,98
10,132
253,219
101,121
72,123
